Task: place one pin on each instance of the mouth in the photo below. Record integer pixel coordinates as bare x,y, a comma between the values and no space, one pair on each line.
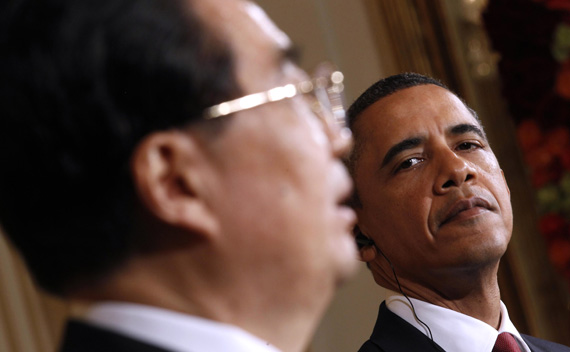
464,209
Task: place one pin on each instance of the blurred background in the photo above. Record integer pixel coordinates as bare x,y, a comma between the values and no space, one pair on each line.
510,61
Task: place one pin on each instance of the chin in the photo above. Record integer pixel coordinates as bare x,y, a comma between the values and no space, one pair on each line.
348,272
483,257
347,268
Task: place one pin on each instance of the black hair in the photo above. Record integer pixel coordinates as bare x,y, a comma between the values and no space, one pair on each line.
81,83
385,87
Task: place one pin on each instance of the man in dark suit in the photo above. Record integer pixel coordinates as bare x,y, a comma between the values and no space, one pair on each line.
434,219
168,166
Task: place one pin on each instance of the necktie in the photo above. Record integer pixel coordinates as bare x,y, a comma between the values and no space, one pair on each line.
506,343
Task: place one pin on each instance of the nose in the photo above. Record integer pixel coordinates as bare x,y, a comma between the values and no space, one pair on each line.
341,141
453,172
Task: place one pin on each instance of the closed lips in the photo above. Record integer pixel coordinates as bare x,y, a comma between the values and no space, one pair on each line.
463,205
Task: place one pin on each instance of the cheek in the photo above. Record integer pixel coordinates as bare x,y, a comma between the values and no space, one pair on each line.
489,166
497,186
317,133
503,198
392,217
314,127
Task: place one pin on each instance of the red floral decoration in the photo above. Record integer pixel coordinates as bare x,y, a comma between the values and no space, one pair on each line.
533,39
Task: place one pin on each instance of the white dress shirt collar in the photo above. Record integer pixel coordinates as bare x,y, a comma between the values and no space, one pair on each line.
451,330
172,330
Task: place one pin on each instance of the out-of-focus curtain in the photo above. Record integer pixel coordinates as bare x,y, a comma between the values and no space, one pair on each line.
30,320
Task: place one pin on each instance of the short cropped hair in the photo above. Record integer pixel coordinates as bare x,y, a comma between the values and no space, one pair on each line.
82,82
385,87
374,93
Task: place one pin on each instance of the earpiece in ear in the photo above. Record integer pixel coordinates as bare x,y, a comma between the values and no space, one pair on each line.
363,241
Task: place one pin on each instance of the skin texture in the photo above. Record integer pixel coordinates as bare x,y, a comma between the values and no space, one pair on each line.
439,208
252,230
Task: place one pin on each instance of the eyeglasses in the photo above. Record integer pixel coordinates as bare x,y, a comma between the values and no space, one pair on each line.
324,89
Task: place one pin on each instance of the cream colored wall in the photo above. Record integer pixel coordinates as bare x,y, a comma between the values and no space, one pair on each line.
334,30
338,31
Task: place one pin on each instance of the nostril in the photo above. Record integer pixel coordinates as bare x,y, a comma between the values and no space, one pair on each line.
448,184
469,176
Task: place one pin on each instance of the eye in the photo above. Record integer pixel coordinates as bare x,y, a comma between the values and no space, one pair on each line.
469,146
408,163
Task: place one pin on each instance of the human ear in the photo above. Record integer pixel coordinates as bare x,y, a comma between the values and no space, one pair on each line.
366,247
169,171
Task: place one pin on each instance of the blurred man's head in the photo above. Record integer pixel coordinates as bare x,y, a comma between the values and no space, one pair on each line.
430,192
110,165
84,83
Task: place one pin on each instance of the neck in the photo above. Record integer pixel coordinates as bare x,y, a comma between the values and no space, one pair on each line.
270,317
471,292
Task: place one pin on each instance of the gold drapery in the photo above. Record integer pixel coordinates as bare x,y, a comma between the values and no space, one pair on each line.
30,321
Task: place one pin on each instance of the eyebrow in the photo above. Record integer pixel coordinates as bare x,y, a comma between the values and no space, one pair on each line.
467,128
413,142
400,147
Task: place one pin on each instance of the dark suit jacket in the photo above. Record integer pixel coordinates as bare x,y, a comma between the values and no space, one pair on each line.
83,337
394,334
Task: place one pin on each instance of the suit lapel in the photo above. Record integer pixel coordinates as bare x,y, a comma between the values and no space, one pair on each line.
530,344
83,337
392,333
539,345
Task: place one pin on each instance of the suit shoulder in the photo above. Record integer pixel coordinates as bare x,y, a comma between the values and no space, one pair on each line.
370,346
540,345
84,337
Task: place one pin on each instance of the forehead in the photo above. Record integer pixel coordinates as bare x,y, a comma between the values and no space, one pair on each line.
256,42
420,111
